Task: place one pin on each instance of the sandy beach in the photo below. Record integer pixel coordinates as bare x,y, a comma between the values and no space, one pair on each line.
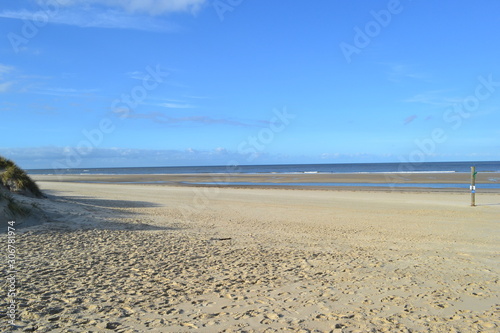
164,258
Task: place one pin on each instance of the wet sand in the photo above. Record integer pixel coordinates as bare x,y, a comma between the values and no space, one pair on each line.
358,181
135,258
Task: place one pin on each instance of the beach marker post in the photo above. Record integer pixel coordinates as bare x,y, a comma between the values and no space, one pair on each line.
473,174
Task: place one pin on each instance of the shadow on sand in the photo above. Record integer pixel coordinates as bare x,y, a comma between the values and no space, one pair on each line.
70,213
105,203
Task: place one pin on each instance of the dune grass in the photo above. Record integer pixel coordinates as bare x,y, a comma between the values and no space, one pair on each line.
15,179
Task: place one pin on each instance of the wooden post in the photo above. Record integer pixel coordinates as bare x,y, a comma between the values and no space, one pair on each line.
473,186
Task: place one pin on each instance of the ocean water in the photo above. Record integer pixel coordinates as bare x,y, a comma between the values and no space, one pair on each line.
286,168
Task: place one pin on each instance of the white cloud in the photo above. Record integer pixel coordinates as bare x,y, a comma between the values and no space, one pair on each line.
159,117
137,75
152,7
398,72
93,18
5,86
116,14
58,157
65,92
4,69
196,97
434,98
176,105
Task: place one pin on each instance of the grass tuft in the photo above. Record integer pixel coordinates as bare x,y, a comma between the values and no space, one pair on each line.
15,179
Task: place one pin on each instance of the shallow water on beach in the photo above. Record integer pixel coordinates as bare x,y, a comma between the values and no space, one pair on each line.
435,167
425,185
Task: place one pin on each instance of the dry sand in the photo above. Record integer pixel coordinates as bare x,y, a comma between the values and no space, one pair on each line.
135,258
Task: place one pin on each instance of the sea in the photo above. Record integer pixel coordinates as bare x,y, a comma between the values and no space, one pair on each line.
430,167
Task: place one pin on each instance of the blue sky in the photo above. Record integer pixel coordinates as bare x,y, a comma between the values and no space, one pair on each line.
107,83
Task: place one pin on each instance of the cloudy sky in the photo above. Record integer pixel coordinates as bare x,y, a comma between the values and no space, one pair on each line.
106,83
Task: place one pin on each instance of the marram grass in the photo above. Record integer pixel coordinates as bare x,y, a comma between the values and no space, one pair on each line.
15,179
